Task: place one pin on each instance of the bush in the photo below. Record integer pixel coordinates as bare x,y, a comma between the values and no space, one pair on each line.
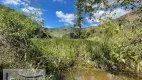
16,29
119,48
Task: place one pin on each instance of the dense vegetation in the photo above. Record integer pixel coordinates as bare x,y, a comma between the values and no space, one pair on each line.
16,49
123,42
114,45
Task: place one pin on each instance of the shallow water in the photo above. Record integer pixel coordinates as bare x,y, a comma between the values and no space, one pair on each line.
89,74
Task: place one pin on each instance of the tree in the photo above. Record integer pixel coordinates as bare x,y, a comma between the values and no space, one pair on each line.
85,8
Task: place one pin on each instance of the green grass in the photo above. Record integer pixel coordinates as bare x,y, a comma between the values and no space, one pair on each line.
64,52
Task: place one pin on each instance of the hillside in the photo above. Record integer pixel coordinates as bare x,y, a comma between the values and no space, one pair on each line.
62,32
132,19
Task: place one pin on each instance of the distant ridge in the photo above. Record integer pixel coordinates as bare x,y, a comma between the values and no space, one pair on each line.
61,31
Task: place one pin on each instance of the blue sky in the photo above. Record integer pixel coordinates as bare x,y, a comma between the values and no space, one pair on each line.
57,13
54,12
54,7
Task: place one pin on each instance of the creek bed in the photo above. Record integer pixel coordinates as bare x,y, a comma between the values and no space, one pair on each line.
94,74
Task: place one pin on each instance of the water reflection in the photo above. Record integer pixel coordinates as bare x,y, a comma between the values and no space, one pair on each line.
86,74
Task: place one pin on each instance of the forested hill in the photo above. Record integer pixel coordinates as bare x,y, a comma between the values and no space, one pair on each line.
63,32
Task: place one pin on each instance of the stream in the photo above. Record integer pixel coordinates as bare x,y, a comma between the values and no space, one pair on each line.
93,74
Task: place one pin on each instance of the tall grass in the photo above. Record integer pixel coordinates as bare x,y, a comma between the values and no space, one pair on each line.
64,52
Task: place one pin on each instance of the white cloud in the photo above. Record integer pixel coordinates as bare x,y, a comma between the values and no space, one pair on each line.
66,18
13,2
25,10
89,20
95,17
48,26
32,10
36,13
103,15
61,1
94,25
66,24
117,13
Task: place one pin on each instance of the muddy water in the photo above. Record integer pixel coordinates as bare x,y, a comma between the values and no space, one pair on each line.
85,74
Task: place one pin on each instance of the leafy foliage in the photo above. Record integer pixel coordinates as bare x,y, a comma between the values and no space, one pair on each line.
120,47
18,24
86,7
16,29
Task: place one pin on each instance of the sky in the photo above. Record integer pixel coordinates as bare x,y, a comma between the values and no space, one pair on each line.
58,13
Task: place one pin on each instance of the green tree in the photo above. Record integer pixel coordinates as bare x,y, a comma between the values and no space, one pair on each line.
86,7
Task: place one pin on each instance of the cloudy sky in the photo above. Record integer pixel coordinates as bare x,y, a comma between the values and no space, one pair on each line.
57,13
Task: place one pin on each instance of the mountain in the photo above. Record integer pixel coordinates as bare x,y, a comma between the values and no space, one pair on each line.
61,31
